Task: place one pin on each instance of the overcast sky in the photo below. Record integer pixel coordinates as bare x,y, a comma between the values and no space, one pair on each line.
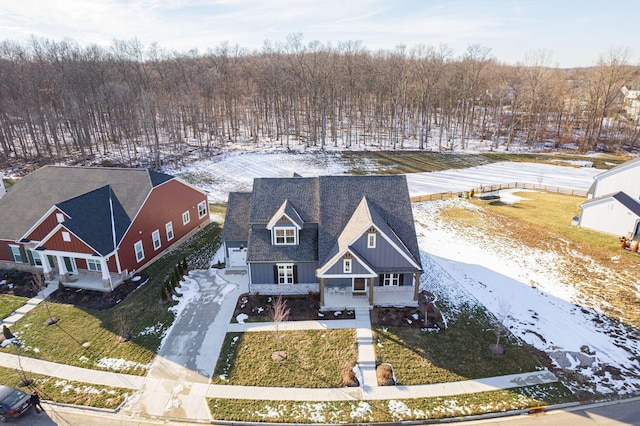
573,32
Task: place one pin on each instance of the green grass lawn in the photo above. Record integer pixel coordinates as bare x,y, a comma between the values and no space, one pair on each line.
458,353
87,338
9,303
67,391
315,358
336,412
393,162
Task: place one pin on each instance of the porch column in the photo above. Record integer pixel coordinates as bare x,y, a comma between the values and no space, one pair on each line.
106,276
46,267
62,269
370,291
416,285
321,291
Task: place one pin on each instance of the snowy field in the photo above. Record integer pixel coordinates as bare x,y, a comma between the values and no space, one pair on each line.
236,171
464,266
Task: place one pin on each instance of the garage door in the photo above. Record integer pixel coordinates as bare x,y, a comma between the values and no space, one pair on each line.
237,257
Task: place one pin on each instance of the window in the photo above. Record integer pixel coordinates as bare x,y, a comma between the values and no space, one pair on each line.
169,228
37,260
285,273
59,217
66,236
139,251
94,265
155,235
371,240
346,266
16,254
186,217
391,280
285,236
202,209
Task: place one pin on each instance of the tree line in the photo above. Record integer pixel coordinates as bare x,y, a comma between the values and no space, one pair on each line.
143,105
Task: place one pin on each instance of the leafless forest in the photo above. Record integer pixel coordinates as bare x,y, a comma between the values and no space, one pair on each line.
141,105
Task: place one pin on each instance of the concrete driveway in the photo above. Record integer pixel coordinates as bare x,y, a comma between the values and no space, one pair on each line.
179,377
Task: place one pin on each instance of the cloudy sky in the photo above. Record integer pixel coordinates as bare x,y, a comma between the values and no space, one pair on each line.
571,32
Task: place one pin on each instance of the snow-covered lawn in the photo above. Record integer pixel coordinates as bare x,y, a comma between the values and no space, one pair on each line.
470,265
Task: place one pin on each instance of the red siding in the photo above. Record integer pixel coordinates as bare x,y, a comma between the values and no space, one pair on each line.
74,246
4,249
166,203
45,227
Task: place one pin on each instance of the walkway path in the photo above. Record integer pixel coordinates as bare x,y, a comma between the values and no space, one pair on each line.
31,303
366,354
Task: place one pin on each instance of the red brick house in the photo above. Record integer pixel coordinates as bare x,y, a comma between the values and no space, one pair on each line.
91,227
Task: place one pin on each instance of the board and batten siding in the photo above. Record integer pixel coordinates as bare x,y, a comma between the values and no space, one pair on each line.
382,254
46,226
356,268
262,273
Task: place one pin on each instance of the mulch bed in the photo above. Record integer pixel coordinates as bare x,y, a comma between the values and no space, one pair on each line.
98,300
301,308
17,283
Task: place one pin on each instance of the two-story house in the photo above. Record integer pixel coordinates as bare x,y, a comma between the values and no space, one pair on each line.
350,238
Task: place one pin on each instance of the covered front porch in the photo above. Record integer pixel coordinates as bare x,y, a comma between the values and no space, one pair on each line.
78,270
340,297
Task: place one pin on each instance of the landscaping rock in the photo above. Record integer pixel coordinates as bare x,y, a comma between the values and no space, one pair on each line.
279,356
496,349
51,320
384,373
349,378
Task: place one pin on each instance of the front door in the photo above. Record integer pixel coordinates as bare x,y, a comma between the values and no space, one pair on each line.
70,263
359,286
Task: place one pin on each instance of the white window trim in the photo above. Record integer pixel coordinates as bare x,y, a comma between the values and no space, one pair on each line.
186,217
59,217
169,229
391,280
141,251
285,273
202,209
155,236
371,240
13,254
285,230
66,236
37,259
346,266
97,265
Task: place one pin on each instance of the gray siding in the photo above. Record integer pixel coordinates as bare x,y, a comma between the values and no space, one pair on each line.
338,282
262,273
384,254
356,268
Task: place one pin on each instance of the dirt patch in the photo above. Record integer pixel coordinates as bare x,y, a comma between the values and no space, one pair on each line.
426,314
99,300
259,308
17,283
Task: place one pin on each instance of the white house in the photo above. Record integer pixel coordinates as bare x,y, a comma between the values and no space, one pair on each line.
2,190
613,206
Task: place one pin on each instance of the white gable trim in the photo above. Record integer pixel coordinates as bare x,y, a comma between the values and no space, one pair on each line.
335,259
274,222
43,218
389,240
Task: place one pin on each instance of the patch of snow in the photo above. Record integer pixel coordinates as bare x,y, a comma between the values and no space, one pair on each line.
337,313
119,364
8,342
136,278
359,411
356,370
241,318
260,309
320,314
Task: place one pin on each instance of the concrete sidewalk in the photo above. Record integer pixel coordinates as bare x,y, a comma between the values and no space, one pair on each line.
69,372
27,307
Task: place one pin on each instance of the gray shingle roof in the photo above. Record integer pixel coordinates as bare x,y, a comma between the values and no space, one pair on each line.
389,196
236,221
630,203
97,218
270,193
33,195
261,250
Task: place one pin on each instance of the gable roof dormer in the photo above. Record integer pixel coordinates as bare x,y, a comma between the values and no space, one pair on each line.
287,213
365,219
